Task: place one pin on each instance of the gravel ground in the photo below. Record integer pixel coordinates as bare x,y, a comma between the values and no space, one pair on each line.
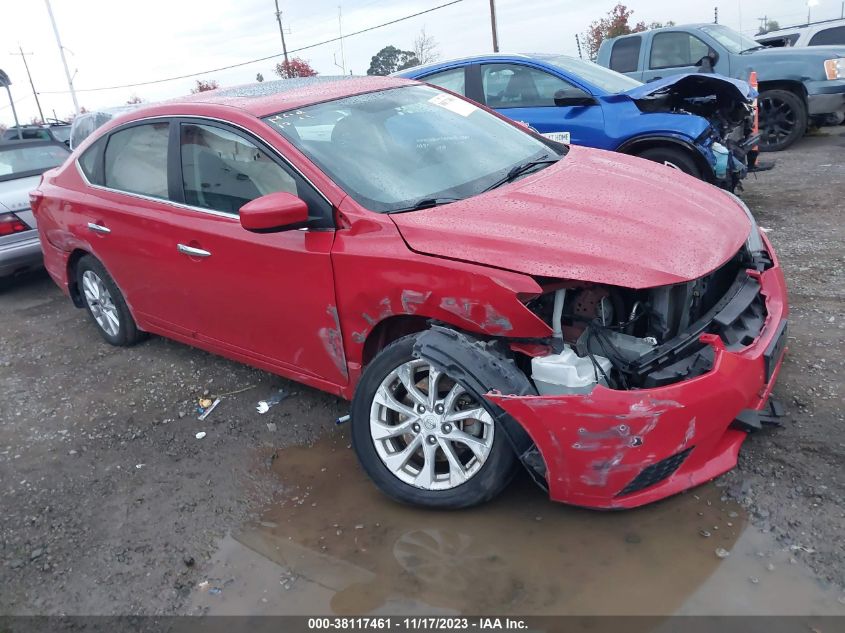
111,505
791,478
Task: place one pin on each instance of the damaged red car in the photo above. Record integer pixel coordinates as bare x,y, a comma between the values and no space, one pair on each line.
488,299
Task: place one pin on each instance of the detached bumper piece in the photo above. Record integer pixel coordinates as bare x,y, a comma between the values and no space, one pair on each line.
750,420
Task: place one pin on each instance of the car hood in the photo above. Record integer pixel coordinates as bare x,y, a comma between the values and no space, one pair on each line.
695,85
788,53
594,216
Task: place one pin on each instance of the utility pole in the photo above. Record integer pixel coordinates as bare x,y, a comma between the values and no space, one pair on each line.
6,82
340,31
493,26
64,61
281,32
578,43
34,93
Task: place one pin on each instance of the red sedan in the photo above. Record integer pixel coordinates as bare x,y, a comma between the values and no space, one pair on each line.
486,297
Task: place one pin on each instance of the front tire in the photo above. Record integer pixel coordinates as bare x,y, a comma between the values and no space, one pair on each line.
783,119
105,303
424,438
674,158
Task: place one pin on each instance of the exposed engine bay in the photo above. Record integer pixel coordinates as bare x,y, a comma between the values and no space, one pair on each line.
634,339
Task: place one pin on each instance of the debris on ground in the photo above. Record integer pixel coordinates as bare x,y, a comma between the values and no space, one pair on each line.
263,406
206,406
200,435
721,552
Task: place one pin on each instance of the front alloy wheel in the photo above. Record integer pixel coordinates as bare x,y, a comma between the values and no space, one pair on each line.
427,429
426,438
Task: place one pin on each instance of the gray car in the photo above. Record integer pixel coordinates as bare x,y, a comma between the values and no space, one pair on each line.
21,166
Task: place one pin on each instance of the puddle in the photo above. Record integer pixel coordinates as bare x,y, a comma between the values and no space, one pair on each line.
335,545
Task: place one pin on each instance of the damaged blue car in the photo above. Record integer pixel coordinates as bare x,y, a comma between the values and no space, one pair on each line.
699,123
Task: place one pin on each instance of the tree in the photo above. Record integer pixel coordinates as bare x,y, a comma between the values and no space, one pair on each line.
614,25
259,78
204,85
425,48
390,59
134,99
295,67
770,25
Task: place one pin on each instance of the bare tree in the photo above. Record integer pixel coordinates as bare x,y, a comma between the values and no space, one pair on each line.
425,48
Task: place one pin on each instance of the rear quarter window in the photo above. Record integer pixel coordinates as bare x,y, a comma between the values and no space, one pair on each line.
832,36
136,160
625,54
90,162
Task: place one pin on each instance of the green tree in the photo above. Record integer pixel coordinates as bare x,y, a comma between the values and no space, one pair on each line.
259,77
390,59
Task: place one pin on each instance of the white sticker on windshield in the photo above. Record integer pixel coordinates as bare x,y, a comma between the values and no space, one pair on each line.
558,137
458,106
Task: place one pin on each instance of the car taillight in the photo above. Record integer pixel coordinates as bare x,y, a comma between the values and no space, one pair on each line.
10,223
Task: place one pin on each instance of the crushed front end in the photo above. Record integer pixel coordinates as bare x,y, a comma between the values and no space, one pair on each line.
645,393
728,144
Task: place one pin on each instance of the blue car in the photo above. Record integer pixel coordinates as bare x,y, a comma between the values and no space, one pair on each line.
700,123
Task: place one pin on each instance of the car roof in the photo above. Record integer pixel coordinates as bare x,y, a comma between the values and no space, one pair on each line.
269,97
693,25
463,60
800,28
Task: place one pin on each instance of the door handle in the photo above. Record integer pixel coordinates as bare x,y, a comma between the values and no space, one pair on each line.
191,251
98,228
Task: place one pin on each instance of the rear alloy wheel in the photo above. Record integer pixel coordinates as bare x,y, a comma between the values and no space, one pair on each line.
783,119
425,438
674,158
105,303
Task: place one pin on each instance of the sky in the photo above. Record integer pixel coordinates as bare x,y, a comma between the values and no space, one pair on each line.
115,42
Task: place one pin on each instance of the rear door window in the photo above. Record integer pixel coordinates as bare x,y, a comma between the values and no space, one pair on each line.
674,49
136,160
454,80
832,36
625,54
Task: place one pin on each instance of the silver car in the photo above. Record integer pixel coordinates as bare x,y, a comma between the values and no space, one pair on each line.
21,166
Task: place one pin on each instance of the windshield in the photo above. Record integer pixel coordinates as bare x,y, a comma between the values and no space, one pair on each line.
21,160
61,132
391,149
732,40
599,76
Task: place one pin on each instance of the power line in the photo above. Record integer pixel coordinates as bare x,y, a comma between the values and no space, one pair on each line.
260,59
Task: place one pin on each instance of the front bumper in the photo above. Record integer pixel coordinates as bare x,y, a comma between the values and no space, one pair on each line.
19,253
622,449
826,97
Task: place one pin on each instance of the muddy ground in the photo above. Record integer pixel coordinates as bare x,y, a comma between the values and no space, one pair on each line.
110,505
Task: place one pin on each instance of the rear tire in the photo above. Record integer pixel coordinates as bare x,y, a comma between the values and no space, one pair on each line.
674,158
783,119
456,484
105,303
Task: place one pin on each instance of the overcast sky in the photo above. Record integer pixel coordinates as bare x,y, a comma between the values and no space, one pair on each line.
114,42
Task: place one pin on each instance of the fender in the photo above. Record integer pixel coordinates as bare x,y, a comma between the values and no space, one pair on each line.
653,140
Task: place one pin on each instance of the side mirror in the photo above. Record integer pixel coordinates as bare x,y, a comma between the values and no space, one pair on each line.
706,63
574,97
280,211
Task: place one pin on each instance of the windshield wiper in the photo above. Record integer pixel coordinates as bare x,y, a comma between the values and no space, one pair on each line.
753,48
424,203
518,170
